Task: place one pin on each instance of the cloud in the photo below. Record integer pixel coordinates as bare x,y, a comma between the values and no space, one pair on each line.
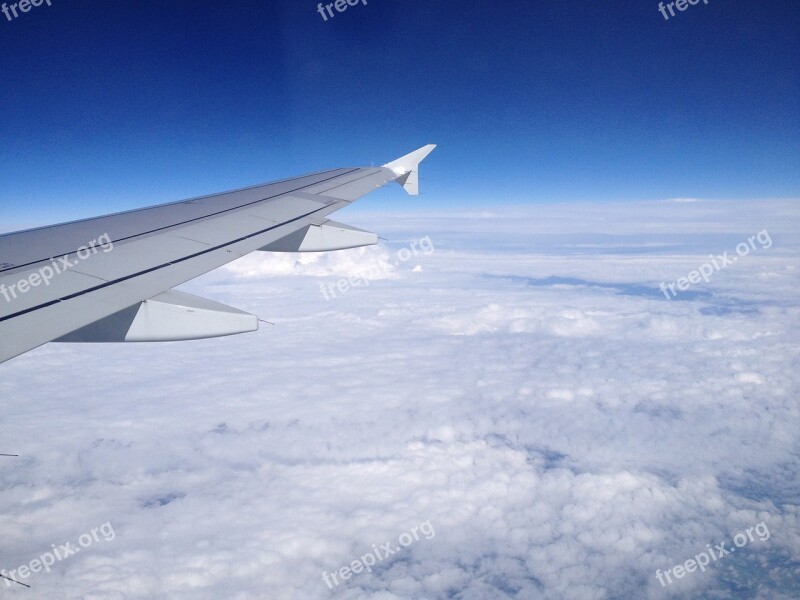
565,428
374,262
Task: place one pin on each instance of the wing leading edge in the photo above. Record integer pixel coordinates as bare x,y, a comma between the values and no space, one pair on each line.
109,278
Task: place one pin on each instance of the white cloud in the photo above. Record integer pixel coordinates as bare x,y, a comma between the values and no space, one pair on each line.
374,262
565,428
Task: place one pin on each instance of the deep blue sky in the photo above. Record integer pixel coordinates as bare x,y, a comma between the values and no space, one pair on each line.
113,105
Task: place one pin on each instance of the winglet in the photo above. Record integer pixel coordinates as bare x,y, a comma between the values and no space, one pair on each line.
407,168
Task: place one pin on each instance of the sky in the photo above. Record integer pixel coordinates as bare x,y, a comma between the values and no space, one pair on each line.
108,106
526,390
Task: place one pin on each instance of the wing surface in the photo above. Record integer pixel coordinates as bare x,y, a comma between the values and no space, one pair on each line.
109,278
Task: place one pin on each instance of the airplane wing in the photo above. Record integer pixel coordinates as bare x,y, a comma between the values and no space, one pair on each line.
111,278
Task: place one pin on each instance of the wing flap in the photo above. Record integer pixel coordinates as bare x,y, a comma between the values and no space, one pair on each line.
323,237
168,317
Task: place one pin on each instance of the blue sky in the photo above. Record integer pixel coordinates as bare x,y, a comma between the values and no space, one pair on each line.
108,106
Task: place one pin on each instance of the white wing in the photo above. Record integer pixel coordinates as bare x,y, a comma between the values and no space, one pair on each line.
111,278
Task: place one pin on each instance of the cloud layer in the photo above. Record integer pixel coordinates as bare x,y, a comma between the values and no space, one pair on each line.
525,387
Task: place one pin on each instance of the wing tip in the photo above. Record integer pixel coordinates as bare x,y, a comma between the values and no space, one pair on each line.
406,168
